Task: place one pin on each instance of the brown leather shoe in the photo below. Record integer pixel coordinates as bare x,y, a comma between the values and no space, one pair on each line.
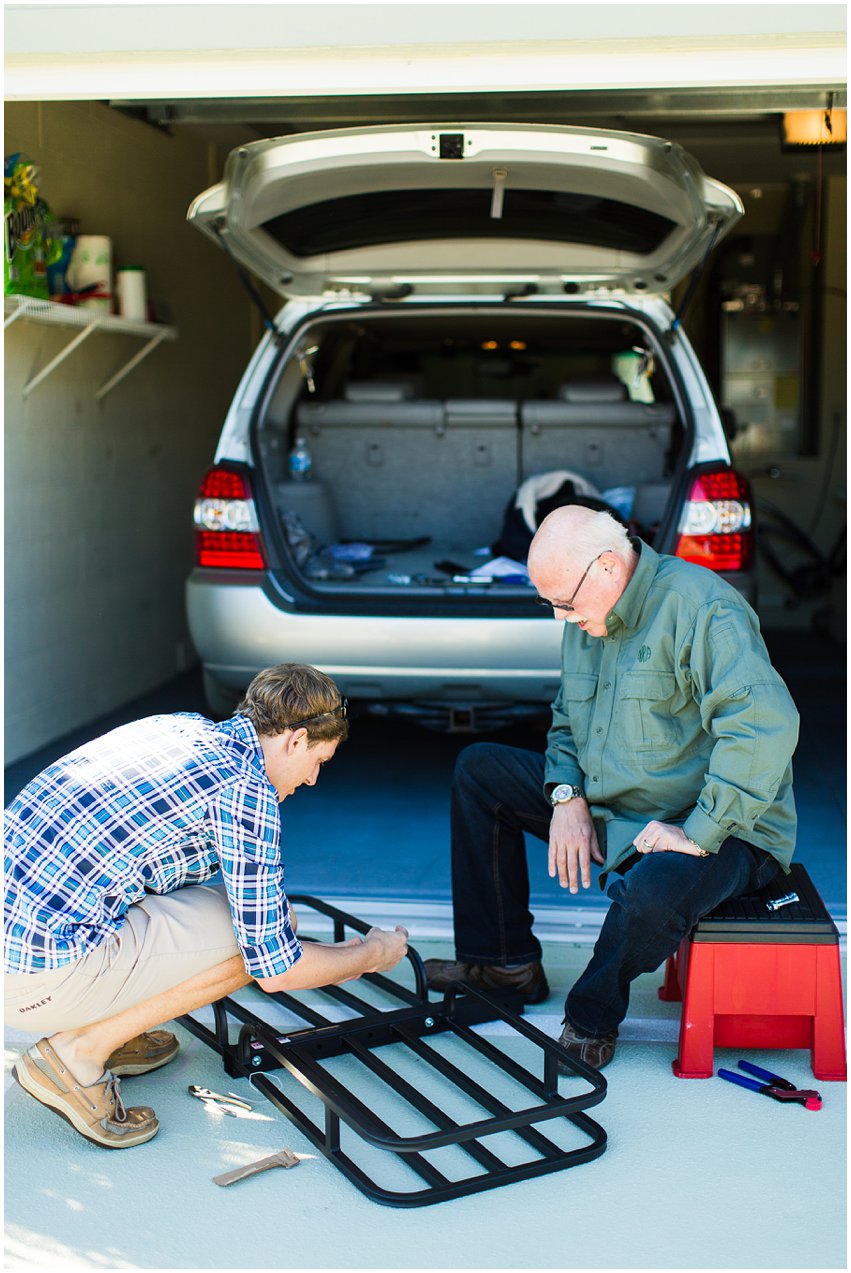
594,1052
96,1112
145,1052
527,980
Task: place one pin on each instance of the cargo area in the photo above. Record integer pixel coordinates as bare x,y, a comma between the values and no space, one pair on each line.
424,428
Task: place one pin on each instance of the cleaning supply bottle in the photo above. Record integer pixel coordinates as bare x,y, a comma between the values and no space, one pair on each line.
300,462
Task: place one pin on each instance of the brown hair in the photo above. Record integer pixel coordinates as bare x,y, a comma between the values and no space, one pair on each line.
279,696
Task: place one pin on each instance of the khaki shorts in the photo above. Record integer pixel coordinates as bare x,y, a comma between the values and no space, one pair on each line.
165,939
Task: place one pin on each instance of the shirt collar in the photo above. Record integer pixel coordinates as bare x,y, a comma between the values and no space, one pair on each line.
242,735
630,603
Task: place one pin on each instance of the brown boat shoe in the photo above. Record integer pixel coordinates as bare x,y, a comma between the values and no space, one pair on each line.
527,980
594,1052
96,1112
145,1052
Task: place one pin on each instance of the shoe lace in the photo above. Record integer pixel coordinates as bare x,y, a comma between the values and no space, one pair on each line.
113,1092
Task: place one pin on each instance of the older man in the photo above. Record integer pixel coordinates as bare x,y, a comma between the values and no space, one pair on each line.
107,931
668,762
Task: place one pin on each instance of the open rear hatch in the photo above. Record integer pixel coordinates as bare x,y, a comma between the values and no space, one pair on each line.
424,419
479,209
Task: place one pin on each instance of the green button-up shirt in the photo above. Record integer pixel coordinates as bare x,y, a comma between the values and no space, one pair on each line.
676,715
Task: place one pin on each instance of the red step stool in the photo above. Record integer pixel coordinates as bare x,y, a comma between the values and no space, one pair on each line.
754,978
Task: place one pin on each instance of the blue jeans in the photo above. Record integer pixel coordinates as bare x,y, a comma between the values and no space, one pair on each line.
497,794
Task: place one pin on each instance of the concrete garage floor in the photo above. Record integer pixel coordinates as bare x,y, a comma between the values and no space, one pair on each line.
696,1174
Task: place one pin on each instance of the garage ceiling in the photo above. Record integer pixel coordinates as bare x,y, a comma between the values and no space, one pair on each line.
734,132
714,77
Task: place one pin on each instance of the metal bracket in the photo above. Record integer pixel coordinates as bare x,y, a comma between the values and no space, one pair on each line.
51,314
131,365
433,1066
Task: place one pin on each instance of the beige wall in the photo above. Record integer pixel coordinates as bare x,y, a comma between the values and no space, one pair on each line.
98,496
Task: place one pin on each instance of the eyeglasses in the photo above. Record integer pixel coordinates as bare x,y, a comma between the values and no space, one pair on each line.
568,605
341,710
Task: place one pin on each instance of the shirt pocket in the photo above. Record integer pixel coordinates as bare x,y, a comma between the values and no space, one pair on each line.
578,691
646,707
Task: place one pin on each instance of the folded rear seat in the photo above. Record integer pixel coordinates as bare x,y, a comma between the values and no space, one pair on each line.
371,404
594,428
400,466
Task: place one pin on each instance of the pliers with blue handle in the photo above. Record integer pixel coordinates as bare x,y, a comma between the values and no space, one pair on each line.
772,1085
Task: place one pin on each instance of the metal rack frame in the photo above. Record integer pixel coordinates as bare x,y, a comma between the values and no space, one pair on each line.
258,1048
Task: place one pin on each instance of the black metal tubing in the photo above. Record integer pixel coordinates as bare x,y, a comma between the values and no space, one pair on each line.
300,1051
342,921
440,1188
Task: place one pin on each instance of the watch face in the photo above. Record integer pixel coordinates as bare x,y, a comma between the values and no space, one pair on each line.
563,792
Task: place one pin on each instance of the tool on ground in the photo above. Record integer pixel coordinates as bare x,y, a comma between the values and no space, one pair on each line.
772,1085
283,1158
228,1104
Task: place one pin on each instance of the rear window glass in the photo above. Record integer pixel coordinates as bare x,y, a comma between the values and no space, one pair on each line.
399,216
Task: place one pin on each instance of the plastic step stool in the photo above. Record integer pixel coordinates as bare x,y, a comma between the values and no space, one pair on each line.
750,977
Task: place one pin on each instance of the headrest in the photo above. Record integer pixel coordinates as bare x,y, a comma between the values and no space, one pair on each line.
377,391
608,389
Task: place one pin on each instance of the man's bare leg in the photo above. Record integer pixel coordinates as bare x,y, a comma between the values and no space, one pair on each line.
84,1051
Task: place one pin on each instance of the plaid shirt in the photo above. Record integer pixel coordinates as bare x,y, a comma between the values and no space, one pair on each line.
148,808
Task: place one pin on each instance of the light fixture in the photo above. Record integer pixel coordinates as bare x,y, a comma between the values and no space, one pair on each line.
815,128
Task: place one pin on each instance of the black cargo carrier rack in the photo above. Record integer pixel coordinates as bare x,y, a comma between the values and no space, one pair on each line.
303,1051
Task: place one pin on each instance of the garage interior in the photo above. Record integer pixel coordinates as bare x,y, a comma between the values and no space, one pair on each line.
99,494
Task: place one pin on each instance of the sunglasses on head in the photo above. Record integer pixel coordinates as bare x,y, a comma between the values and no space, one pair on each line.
341,710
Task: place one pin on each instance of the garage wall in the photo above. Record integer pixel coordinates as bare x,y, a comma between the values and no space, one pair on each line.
99,495
810,490
807,489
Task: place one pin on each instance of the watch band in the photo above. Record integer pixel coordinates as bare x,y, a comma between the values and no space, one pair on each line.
572,793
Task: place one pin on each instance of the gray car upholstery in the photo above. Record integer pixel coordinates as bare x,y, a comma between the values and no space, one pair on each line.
400,466
594,427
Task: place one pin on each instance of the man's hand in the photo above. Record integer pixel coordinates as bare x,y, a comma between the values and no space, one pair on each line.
386,948
573,843
659,837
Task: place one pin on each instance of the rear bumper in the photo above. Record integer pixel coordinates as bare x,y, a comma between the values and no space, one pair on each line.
238,630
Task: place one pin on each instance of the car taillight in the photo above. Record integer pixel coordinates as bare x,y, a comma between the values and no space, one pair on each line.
226,529
715,529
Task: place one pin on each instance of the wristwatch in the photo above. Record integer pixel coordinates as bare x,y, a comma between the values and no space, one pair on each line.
564,792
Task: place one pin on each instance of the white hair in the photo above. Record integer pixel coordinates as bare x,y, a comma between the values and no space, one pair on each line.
583,533
598,533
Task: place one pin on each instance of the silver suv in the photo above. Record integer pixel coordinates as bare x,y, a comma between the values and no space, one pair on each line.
475,331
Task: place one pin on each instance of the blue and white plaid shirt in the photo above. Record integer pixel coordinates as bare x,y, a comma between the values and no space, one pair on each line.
148,808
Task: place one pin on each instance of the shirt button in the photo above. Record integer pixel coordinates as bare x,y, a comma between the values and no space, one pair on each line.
598,730
607,685
595,779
